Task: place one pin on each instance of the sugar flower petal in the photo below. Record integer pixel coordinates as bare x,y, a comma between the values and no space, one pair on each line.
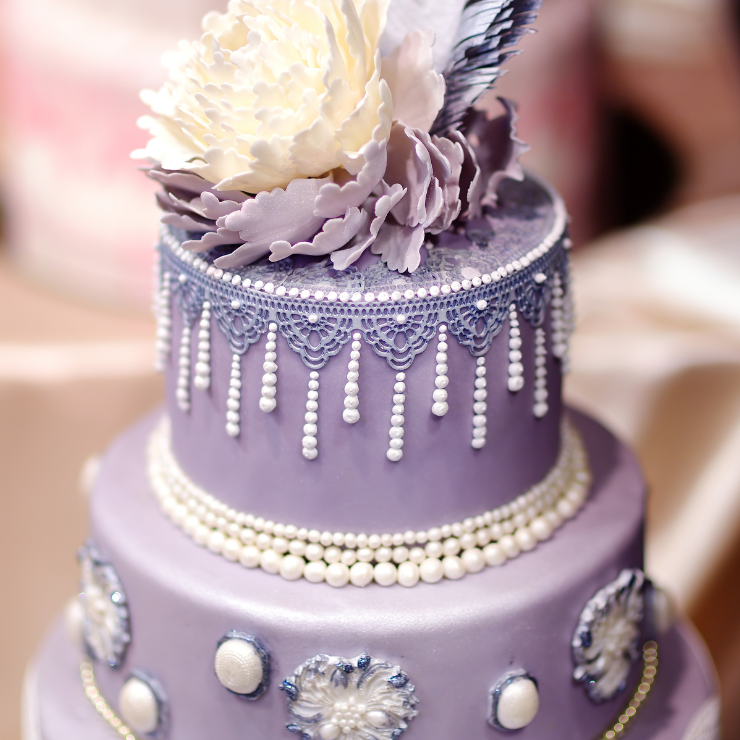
399,246
418,91
335,197
335,234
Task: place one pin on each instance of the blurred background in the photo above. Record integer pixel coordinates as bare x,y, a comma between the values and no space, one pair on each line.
632,108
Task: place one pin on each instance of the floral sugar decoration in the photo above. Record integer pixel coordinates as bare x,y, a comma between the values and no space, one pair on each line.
359,699
607,638
283,132
106,617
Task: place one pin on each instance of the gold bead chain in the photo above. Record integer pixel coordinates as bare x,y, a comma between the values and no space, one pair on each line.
101,705
649,671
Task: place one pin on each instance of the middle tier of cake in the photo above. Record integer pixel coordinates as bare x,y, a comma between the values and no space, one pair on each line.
454,640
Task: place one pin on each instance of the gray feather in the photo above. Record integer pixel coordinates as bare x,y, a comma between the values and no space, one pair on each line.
486,32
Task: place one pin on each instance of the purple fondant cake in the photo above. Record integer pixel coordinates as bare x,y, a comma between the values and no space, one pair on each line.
363,511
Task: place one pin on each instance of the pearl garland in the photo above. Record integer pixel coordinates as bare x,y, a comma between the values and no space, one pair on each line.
449,551
233,401
540,407
439,396
395,445
310,428
202,380
516,369
163,314
479,406
182,392
351,414
269,379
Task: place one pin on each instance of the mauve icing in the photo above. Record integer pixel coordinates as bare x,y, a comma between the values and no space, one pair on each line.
351,485
454,639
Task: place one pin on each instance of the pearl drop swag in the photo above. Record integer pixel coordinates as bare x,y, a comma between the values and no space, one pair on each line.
340,558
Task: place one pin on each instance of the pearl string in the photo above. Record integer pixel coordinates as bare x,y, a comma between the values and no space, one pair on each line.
439,396
163,314
516,369
104,710
269,379
395,445
540,407
202,380
310,428
350,414
649,673
182,393
449,551
479,407
233,401
561,307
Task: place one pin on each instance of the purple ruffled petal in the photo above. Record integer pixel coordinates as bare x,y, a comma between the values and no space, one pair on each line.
335,197
497,148
286,213
409,165
471,180
335,234
211,239
343,258
399,246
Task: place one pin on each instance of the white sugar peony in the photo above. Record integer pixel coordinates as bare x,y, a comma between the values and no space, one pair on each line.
275,90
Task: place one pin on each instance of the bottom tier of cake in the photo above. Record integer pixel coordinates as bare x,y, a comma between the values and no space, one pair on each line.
681,706
444,646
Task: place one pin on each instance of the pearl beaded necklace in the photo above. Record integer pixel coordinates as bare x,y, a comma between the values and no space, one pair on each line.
449,551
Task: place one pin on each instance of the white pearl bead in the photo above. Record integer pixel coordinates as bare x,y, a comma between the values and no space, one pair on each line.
239,666
138,706
525,539
270,561
267,404
495,554
291,567
453,567
408,574
440,408
510,546
394,455
361,574
474,560
431,570
315,572
385,574
232,549
250,556
541,528
351,416
337,575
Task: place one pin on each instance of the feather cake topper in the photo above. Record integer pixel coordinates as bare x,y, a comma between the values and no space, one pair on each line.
271,143
487,31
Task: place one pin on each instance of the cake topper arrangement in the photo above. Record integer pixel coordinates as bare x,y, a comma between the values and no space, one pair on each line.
284,132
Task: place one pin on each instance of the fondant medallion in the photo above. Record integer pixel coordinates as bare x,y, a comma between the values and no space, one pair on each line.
606,640
359,699
242,664
143,704
514,701
106,619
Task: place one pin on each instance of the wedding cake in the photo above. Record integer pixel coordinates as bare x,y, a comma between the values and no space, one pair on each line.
364,510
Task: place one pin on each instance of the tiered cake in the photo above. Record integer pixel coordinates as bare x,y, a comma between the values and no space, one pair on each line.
364,510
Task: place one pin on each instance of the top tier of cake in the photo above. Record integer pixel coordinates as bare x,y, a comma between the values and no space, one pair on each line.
371,400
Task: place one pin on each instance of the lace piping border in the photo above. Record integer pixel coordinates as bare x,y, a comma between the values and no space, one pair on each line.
398,323
338,558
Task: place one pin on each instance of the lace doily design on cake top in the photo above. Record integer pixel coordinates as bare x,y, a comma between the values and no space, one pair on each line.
105,624
359,699
340,558
463,290
606,640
